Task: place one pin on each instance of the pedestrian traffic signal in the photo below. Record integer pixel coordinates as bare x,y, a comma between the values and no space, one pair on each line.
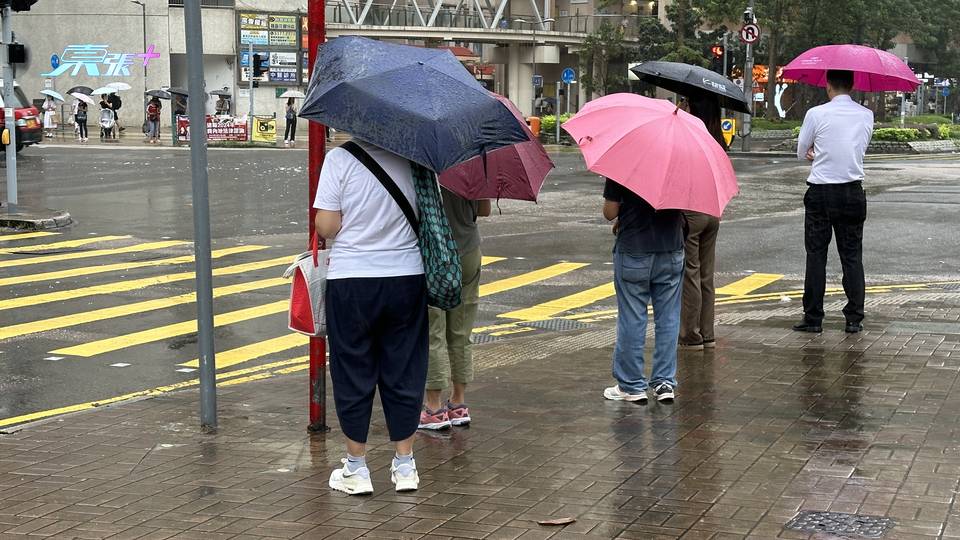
717,51
257,67
17,5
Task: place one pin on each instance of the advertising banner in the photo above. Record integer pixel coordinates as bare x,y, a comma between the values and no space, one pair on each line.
283,75
283,39
283,22
254,37
254,21
265,129
219,128
283,59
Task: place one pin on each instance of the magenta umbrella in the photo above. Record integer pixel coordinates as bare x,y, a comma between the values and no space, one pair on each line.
874,70
516,171
663,154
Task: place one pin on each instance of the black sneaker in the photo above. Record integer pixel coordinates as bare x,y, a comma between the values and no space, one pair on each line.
663,392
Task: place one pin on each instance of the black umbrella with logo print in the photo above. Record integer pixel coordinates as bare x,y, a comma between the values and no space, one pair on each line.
690,81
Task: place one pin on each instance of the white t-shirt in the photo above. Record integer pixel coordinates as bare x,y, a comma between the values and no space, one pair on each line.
375,238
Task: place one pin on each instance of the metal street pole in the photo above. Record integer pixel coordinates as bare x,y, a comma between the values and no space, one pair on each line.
723,110
316,21
201,213
903,98
143,25
556,112
10,122
569,89
534,78
250,88
748,90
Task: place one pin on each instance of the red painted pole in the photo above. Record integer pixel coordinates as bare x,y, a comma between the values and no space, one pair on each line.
316,28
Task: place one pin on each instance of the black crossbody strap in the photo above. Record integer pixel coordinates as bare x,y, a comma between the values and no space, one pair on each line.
371,164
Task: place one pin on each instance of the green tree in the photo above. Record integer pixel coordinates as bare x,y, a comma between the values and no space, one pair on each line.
602,56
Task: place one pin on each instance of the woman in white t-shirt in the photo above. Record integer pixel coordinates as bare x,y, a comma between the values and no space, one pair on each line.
376,309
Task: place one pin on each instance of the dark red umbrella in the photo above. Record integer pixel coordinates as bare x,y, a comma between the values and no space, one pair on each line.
515,172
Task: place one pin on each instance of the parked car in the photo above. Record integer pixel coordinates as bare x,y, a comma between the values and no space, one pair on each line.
29,127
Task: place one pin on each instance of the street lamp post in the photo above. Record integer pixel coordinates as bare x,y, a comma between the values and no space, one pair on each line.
143,25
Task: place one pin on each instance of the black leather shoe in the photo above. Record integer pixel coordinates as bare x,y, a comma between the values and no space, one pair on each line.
853,328
813,328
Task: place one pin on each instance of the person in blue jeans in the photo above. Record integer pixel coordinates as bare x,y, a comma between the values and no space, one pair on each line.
648,267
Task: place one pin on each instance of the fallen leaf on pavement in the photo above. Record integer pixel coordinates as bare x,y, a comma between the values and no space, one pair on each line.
561,521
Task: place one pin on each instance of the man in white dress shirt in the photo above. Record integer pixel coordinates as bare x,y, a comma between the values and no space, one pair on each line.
835,137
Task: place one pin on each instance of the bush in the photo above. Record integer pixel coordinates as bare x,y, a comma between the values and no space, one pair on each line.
548,123
762,124
943,131
896,134
796,131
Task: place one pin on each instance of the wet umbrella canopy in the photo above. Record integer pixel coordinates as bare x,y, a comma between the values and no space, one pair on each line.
81,89
159,94
419,103
690,81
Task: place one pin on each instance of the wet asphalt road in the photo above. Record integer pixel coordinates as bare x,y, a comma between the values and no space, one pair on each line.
258,198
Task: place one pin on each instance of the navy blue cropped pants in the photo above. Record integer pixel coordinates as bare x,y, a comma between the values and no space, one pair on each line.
378,334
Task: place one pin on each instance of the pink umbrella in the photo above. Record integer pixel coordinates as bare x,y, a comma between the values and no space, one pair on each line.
874,70
663,154
516,171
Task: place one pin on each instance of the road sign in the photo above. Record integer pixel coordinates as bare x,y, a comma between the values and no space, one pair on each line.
538,81
749,33
568,76
54,61
945,91
729,128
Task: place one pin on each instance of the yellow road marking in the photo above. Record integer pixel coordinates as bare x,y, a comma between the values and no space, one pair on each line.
749,284
65,244
74,319
89,270
61,257
134,284
246,353
549,309
24,236
296,364
490,260
102,346
528,278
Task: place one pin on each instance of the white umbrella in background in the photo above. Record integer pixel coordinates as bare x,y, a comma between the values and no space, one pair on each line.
104,91
84,98
119,86
54,94
296,94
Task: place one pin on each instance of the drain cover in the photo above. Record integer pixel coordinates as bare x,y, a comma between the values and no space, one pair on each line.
559,325
841,523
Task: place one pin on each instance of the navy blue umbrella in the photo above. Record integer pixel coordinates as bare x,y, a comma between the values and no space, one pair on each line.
419,103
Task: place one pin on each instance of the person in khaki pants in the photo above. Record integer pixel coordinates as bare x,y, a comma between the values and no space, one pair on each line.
451,357
696,315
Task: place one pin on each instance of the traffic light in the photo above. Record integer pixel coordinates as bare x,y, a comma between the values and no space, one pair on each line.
257,66
716,62
17,5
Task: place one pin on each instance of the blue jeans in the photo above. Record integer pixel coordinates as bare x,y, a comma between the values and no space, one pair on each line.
638,280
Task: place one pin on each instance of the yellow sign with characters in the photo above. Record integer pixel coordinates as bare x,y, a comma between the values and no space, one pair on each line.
729,128
264,129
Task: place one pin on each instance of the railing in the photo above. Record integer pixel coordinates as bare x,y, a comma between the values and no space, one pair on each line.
450,17
207,3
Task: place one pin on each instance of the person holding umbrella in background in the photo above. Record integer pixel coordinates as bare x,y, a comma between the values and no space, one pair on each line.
154,108
290,132
49,115
707,92
835,137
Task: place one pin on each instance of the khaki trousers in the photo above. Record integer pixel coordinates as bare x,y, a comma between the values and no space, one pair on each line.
696,318
451,355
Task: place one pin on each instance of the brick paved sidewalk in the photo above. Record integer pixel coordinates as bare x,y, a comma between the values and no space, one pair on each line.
771,423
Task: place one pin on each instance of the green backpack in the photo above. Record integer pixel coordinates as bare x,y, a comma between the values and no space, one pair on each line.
441,261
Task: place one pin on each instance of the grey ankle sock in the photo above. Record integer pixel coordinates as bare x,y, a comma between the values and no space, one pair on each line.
354,463
399,460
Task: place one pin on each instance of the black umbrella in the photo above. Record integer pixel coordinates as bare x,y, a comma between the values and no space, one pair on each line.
159,94
691,81
81,89
178,90
419,103
223,93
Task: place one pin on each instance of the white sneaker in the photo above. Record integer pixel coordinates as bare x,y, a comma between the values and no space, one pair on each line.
615,394
405,477
352,483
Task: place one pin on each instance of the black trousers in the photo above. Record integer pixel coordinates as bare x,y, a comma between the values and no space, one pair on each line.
377,329
290,133
839,209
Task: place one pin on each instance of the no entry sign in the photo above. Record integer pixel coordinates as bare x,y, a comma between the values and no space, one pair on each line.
749,33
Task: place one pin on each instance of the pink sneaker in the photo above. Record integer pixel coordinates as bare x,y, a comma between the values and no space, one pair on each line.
459,414
435,420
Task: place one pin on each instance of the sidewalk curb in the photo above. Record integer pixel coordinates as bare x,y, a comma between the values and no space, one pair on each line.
26,219
763,154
